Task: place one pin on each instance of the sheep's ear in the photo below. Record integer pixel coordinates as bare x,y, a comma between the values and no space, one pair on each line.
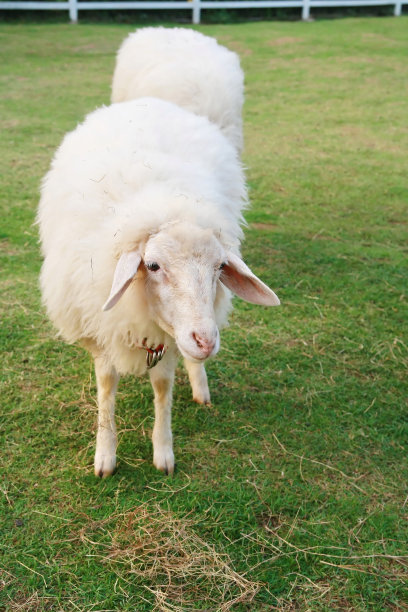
126,269
238,277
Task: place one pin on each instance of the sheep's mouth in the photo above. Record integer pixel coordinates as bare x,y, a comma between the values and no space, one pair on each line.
193,358
196,353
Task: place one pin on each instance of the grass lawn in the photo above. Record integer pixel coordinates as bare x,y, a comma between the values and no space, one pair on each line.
291,490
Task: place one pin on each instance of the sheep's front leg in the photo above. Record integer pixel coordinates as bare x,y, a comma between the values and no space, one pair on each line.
162,378
198,381
107,382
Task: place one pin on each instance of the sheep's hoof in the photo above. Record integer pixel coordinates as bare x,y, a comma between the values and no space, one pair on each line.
104,465
163,460
203,399
205,403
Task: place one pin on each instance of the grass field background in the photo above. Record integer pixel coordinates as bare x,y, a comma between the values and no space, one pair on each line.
291,490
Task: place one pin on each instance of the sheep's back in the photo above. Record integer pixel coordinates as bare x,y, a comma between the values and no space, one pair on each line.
184,67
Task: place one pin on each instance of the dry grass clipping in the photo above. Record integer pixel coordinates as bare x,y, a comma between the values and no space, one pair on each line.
153,547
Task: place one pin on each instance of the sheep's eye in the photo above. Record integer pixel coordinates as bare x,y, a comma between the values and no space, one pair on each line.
153,267
222,266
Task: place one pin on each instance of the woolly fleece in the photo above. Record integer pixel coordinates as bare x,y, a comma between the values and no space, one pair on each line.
187,68
121,175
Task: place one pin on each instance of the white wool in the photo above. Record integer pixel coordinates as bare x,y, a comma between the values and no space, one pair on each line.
184,67
117,178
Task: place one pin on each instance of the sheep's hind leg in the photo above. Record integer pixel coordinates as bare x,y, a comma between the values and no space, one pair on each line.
107,382
162,378
198,381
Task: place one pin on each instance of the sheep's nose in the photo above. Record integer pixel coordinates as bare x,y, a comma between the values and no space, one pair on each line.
205,345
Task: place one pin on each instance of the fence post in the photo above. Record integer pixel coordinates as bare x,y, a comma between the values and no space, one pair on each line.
306,10
73,11
398,8
196,11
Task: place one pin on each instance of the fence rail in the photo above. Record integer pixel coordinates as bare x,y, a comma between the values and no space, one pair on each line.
195,6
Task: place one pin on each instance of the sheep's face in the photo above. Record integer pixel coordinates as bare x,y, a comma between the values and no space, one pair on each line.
183,267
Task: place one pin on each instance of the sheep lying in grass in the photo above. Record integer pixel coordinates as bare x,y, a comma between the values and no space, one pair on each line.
184,67
140,227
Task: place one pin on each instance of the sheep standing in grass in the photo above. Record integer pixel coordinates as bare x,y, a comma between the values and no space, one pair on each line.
184,67
140,227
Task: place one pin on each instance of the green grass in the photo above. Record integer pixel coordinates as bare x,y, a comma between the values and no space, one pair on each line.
290,491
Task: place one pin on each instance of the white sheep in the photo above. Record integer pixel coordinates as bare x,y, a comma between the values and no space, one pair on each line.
184,67
140,227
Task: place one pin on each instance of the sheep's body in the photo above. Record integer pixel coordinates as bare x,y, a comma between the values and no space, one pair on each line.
144,199
184,67
126,171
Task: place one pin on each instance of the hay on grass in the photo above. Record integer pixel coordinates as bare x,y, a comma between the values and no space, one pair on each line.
152,546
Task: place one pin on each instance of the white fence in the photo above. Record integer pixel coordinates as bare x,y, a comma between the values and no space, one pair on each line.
195,6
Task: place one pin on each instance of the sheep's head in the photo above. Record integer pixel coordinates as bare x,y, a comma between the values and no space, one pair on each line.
183,267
